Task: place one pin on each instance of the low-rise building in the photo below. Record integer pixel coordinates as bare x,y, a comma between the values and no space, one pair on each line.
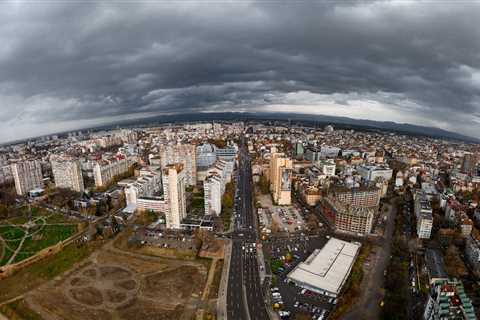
326,270
448,300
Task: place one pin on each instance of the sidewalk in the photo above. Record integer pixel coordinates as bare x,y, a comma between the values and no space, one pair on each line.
222,290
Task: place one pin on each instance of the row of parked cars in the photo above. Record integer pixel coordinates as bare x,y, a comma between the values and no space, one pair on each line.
317,313
278,303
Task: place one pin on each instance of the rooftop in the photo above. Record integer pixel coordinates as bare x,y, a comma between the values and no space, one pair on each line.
327,268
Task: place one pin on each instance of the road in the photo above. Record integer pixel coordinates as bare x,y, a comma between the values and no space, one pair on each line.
368,306
245,298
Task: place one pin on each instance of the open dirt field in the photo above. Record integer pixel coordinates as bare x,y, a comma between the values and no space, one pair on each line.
117,284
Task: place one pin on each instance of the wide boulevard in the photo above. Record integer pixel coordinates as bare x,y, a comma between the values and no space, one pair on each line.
245,299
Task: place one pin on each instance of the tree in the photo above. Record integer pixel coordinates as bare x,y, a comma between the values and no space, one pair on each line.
263,185
227,201
453,263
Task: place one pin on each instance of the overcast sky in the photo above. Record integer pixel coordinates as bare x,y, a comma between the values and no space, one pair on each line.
66,65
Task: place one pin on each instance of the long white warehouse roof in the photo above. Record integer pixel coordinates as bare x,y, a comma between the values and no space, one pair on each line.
327,268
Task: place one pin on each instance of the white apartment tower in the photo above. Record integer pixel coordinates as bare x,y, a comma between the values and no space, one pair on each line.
27,176
213,194
174,181
68,174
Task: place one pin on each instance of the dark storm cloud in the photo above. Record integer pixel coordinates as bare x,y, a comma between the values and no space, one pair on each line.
90,62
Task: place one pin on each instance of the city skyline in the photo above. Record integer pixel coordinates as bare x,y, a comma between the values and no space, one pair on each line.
69,66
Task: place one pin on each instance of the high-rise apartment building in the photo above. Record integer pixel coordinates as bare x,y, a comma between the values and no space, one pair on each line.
181,153
213,194
423,212
27,176
281,178
174,181
68,174
105,171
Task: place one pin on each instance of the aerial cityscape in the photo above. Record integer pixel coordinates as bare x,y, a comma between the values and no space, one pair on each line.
246,160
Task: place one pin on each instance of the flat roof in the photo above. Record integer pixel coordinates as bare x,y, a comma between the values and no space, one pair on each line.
327,268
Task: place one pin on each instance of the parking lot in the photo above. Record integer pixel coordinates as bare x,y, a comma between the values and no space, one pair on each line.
284,254
287,219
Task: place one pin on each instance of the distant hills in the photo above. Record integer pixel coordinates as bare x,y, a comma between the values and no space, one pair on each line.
294,118
320,120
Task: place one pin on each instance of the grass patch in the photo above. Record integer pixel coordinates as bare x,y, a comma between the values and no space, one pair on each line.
50,235
10,233
19,310
38,273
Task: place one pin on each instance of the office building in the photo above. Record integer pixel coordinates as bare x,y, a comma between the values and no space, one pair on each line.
206,156
298,150
174,182
371,173
326,270
326,167
281,178
27,176
184,154
67,174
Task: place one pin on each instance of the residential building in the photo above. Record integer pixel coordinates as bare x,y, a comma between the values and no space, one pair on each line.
448,301
281,178
174,182
347,218
184,154
105,171
327,167
423,212
364,196
145,193
67,174
212,188
27,176
472,252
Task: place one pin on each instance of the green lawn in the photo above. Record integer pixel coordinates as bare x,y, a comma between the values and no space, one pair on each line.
9,233
50,235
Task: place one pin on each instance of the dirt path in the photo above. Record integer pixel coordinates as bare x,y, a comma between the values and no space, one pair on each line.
20,245
4,245
211,276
